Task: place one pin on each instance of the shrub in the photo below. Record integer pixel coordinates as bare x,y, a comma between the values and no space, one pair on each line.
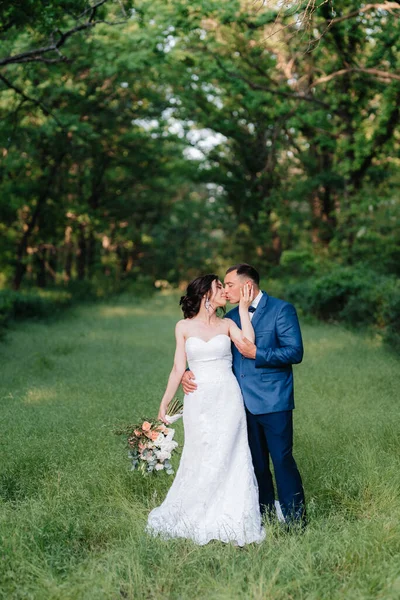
301,294
344,293
391,314
353,295
6,307
27,305
333,291
82,291
103,287
297,262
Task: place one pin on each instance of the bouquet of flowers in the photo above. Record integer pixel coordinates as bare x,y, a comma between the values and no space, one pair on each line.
151,442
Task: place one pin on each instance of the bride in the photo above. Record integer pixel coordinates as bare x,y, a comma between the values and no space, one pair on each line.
214,495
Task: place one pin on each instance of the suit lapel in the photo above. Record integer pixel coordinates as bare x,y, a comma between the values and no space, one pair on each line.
260,309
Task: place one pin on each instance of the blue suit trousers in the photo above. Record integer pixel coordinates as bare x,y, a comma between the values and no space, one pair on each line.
271,435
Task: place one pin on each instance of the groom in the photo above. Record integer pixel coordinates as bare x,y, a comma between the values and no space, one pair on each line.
264,373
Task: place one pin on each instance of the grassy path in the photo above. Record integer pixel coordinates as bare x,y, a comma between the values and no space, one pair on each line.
72,515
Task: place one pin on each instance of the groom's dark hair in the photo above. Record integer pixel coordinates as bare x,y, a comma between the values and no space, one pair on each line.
246,270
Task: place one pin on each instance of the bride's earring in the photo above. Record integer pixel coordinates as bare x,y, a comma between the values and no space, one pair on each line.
207,304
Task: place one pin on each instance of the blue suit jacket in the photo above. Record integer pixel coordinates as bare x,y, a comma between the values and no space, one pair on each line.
267,381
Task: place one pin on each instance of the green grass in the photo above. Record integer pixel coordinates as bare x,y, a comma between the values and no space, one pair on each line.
72,515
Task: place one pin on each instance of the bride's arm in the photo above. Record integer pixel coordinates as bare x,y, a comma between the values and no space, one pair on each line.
247,331
177,370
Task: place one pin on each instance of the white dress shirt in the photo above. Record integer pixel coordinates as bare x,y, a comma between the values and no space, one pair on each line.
255,303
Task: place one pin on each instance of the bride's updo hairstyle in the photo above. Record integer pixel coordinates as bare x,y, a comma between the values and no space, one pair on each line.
195,292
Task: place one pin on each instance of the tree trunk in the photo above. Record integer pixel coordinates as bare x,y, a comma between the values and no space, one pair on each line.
81,254
91,253
68,248
20,266
19,272
93,201
40,267
316,209
277,247
123,259
51,263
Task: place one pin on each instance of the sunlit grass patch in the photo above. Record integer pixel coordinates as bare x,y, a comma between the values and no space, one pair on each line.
38,395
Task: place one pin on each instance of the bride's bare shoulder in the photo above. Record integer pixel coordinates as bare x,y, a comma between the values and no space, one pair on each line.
183,327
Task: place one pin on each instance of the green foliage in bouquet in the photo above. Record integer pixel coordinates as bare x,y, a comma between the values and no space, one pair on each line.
151,442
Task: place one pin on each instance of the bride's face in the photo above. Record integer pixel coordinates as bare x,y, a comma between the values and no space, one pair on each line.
217,297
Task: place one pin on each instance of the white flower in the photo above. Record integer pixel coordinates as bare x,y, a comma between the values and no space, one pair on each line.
163,455
159,440
169,446
124,84
170,435
159,467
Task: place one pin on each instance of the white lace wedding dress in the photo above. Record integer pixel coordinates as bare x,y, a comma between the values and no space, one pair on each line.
214,495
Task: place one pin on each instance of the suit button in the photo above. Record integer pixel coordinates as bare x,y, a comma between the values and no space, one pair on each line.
242,357
242,376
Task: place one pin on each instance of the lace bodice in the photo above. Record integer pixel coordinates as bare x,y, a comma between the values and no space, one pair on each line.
210,360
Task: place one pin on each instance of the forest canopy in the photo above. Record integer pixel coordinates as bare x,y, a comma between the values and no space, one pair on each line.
162,139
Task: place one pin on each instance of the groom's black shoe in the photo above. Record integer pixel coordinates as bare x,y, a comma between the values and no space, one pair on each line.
295,518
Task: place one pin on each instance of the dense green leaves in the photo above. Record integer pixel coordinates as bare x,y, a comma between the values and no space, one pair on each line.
179,136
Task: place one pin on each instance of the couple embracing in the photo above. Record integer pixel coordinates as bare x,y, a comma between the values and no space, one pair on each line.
237,413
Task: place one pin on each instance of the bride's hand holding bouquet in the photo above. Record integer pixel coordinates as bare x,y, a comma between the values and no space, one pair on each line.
151,442
175,412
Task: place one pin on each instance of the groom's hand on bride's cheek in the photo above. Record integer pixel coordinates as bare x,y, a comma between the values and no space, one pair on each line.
246,348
